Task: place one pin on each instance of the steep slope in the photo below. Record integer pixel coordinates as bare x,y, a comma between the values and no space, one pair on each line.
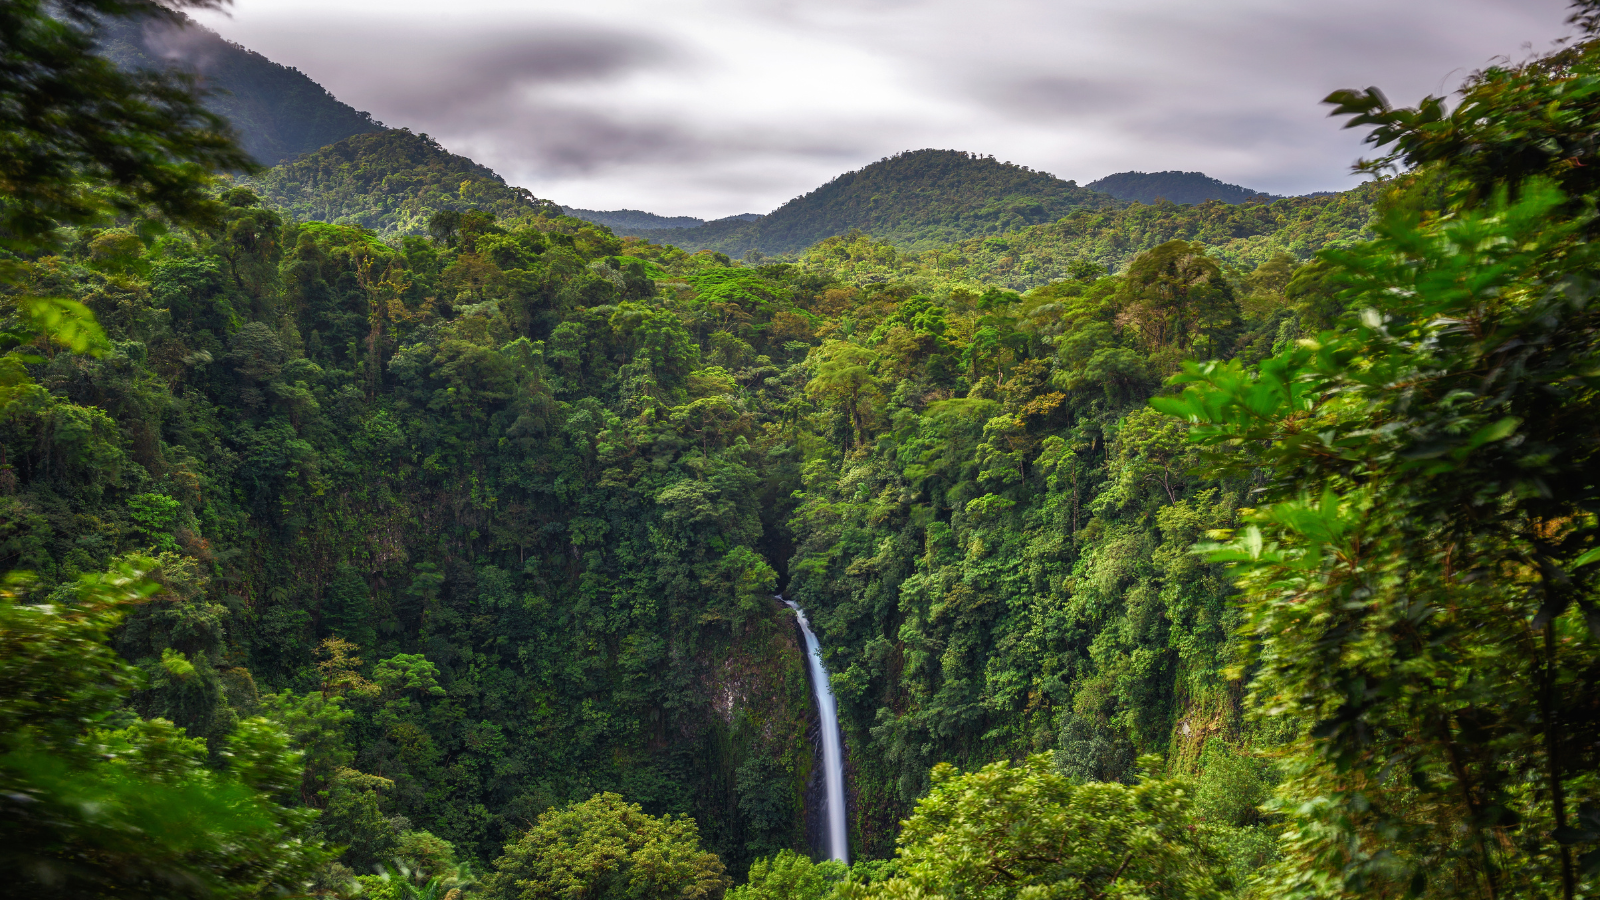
391,181
279,112
1177,187
918,199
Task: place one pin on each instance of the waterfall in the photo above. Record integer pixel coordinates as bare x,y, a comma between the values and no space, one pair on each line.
832,744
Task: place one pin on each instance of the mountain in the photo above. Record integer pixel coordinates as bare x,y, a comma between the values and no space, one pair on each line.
279,112
1178,187
918,199
1243,236
390,181
631,219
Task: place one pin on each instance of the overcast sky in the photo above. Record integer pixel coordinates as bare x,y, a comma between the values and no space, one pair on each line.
716,107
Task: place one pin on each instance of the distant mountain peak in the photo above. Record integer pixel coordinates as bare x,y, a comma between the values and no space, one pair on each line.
1176,187
917,199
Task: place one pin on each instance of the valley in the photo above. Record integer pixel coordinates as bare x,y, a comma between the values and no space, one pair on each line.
883,545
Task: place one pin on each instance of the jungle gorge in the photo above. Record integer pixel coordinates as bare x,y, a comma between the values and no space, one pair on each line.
375,527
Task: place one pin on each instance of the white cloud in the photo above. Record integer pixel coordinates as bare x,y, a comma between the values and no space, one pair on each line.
713,107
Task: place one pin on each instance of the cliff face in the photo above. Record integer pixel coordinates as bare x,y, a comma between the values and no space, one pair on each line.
758,733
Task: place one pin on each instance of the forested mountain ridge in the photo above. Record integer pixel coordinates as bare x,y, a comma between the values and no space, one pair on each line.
392,182
916,199
328,553
1242,236
623,219
638,222
279,112
1173,187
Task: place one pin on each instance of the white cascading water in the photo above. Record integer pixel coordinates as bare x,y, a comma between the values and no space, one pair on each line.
832,745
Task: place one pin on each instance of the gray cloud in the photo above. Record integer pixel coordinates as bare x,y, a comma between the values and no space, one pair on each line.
714,107
1046,94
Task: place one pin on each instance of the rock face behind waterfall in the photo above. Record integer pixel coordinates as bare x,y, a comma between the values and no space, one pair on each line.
759,718
817,786
827,792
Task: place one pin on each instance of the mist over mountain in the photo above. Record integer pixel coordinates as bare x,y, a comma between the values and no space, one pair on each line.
1176,187
279,112
917,199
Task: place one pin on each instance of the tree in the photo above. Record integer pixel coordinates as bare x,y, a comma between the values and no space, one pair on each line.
91,809
844,376
1421,571
1172,292
607,848
1512,124
83,139
789,876
1024,830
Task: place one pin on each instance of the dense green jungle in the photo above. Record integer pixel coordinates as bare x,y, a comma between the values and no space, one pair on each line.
373,528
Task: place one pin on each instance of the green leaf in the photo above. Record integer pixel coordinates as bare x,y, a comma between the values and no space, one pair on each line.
1251,540
66,322
1496,431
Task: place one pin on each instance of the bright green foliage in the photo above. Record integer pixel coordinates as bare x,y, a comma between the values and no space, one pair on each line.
92,803
916,200
1431,496
404,672
1418,572
1023,830
607,848
390,181
790,876
1242,235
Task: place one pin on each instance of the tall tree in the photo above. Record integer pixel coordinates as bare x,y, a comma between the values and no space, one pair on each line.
606,847
1421,569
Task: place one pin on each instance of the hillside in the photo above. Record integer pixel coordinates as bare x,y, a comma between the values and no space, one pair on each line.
631,219
1243,236
556,476
1176,187
390,181
520,560
279,112
916,200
